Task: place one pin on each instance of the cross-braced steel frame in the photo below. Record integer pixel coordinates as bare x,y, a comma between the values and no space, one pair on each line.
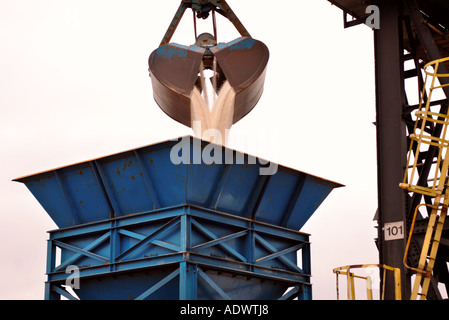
183,252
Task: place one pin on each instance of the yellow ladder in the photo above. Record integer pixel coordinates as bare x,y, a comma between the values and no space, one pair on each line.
431,242
439,190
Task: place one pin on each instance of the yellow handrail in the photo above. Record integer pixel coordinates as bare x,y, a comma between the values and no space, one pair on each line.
419,135
346,270
407,247
431,241
437,64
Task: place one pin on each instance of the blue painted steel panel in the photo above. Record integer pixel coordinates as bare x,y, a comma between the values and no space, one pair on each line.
84,193
169,180
48,192
313,193
202,183
277,197
146,179
237,189
125,184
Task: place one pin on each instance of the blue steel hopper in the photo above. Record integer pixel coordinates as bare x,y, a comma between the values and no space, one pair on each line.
145,179
164,210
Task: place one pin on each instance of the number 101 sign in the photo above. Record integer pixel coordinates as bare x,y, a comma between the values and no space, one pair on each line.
394,231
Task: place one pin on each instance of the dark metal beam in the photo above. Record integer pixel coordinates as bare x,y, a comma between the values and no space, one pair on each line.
426,37
391,138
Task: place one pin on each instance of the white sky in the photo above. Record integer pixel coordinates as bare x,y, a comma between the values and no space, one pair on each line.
74,85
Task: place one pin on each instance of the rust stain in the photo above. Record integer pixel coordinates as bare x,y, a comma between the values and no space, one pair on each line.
118,171
127,164
132,177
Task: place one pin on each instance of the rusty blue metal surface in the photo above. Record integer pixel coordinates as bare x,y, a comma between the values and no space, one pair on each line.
146,179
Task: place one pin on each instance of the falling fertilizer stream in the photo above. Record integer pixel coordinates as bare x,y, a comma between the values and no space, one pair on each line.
211,113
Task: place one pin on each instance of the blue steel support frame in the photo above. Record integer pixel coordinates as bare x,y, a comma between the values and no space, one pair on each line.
196,243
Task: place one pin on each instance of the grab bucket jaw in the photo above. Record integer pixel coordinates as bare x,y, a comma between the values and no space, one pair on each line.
175,69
